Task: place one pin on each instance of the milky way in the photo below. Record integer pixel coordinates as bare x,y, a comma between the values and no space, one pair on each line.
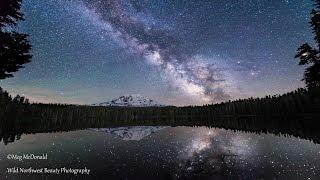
158,47
175,52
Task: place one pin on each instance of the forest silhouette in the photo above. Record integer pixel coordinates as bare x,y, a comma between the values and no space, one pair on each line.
14,46
295,113
309,55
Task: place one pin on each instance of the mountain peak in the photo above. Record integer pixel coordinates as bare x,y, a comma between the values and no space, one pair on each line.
133,100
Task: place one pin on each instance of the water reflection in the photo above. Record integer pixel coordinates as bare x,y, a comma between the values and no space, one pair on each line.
170,153
302,127
131,133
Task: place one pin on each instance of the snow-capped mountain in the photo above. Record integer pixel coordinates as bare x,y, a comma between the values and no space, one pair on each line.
130,101
134,133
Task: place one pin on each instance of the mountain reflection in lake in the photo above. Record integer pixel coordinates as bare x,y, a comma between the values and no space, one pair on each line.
135,133
167,153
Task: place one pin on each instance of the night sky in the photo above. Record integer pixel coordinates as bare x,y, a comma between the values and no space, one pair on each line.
175,52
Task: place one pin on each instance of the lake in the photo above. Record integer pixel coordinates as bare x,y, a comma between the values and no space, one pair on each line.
160,152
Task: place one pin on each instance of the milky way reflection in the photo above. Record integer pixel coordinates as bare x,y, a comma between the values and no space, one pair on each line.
170,152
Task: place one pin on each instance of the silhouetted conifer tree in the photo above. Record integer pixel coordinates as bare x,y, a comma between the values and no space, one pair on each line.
309,55
14,46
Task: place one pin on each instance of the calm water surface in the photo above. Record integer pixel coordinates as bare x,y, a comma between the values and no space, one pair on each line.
165,153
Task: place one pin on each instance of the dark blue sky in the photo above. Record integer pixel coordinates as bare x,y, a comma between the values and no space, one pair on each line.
176,52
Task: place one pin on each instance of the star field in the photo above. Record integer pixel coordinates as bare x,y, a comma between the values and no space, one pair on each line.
177,52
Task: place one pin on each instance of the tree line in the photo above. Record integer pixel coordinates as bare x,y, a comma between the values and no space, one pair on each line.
288,113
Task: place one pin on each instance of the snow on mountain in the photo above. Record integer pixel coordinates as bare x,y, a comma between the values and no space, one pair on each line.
130,101
134,133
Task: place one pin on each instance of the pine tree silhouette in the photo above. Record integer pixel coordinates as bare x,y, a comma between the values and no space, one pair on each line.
14,46
309,55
